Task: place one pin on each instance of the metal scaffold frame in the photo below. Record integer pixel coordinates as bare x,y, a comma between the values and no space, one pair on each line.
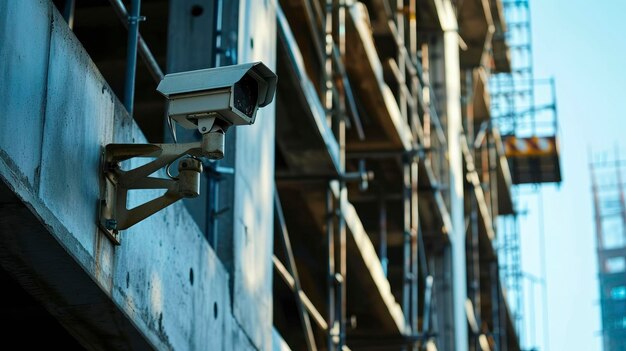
507,95
339,106
427,319
609,203
523,108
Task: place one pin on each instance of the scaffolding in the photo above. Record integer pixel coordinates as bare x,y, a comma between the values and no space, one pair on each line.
327,26
364,205
524,110
610,226
367,190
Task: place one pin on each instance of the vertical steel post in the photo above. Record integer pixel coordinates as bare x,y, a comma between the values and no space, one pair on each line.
131,55
216,61
144,51
529,63
413,31
456,174
428,285
399,15
333,328
553,91
414,246
218,39
474,268
475,260
382,225
343,193
407,277
327,69
516,273
342,259
426,94
330,266
495,304
334,309
493,176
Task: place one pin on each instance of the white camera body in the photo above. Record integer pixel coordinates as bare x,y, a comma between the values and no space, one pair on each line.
231,94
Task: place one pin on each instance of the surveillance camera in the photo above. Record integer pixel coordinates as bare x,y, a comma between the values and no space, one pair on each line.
211,100
232,94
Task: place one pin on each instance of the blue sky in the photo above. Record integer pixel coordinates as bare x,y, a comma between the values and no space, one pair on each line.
583,45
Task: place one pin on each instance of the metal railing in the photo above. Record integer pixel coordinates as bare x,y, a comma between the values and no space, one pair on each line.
135,45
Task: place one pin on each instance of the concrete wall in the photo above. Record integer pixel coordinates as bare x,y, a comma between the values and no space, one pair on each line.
164,279
254,185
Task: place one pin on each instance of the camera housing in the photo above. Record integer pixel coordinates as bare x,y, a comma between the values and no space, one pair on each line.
231,94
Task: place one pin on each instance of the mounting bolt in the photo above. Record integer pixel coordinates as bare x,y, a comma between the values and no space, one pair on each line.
110,224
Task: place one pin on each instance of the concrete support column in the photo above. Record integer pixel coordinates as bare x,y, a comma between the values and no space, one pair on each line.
253,209
455,127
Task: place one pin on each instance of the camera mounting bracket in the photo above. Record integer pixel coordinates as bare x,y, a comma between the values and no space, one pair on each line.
113,212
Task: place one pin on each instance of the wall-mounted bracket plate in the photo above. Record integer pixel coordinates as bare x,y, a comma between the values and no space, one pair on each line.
107,222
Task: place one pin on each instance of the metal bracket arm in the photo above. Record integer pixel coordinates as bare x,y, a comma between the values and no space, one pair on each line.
114,215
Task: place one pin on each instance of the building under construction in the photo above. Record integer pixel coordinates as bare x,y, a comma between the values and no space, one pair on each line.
610,218
359,211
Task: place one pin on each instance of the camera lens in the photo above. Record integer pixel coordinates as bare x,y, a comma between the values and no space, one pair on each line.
246,95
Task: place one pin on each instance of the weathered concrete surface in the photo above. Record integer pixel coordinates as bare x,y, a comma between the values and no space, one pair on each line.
23,74
164,287
254,187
